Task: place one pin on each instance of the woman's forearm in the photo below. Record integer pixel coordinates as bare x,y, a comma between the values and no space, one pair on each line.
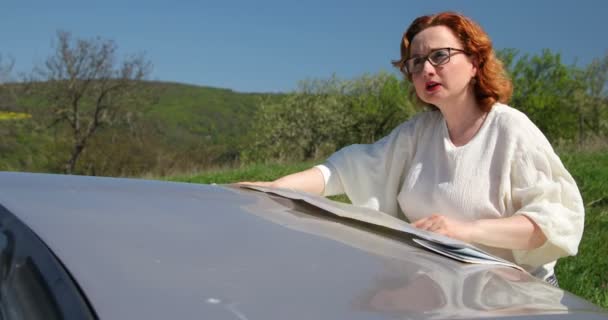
310,180
516,232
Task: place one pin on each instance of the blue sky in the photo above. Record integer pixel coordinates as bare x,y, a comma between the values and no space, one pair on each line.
268,45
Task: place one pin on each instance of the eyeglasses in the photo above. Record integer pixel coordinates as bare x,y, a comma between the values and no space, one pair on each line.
436,57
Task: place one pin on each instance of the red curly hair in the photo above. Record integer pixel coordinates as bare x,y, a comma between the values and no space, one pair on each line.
492,83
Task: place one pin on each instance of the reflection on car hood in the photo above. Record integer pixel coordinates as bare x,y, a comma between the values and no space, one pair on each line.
156,250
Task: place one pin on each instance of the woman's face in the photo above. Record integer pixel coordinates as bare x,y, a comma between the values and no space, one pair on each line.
447,82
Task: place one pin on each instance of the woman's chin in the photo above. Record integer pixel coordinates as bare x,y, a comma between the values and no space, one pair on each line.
431,99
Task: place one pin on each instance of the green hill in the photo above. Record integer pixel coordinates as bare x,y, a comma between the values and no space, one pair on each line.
212,113
216,115
183,124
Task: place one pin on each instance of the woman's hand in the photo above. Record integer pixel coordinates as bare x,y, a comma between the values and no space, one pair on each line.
446,226
516,232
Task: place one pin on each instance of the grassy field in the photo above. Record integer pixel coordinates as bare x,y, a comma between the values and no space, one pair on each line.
585,275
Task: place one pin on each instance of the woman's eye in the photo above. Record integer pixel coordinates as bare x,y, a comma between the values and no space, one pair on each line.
419,60
439,55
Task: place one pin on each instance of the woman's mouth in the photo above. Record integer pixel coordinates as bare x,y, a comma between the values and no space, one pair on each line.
432,86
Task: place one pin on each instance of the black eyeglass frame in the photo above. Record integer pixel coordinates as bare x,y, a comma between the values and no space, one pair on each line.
406,70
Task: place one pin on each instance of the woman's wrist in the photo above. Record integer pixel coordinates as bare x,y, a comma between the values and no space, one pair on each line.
476,234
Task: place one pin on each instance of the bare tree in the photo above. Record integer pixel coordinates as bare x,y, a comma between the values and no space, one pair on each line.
7,96
88,88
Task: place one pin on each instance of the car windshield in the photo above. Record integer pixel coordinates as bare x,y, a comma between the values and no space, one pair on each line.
33,284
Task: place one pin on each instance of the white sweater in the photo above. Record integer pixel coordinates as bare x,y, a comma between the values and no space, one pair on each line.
508,168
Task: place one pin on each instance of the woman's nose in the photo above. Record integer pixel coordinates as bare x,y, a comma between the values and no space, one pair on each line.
428,68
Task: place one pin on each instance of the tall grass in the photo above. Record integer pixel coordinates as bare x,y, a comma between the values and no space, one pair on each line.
585,274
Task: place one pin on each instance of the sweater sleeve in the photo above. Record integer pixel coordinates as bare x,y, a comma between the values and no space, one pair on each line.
371,174
544,191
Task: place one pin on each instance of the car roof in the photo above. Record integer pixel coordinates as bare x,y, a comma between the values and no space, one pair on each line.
156,250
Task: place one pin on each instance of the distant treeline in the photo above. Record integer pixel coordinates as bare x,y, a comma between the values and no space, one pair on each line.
568,103
165,128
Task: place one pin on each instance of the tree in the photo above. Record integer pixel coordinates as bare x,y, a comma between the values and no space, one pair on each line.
7,96
325,115
567,103
87,88
545,89
595,80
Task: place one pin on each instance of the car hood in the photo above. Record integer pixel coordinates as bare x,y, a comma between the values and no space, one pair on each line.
143,249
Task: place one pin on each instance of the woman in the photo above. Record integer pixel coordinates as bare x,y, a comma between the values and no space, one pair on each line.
471,168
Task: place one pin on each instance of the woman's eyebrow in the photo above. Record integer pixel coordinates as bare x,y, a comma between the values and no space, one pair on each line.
412,54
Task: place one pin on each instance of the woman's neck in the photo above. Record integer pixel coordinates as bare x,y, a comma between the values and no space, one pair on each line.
463,119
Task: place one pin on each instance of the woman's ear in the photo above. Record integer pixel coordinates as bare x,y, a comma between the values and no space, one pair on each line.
475,64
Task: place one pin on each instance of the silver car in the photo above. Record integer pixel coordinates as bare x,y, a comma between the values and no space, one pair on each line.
75,247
